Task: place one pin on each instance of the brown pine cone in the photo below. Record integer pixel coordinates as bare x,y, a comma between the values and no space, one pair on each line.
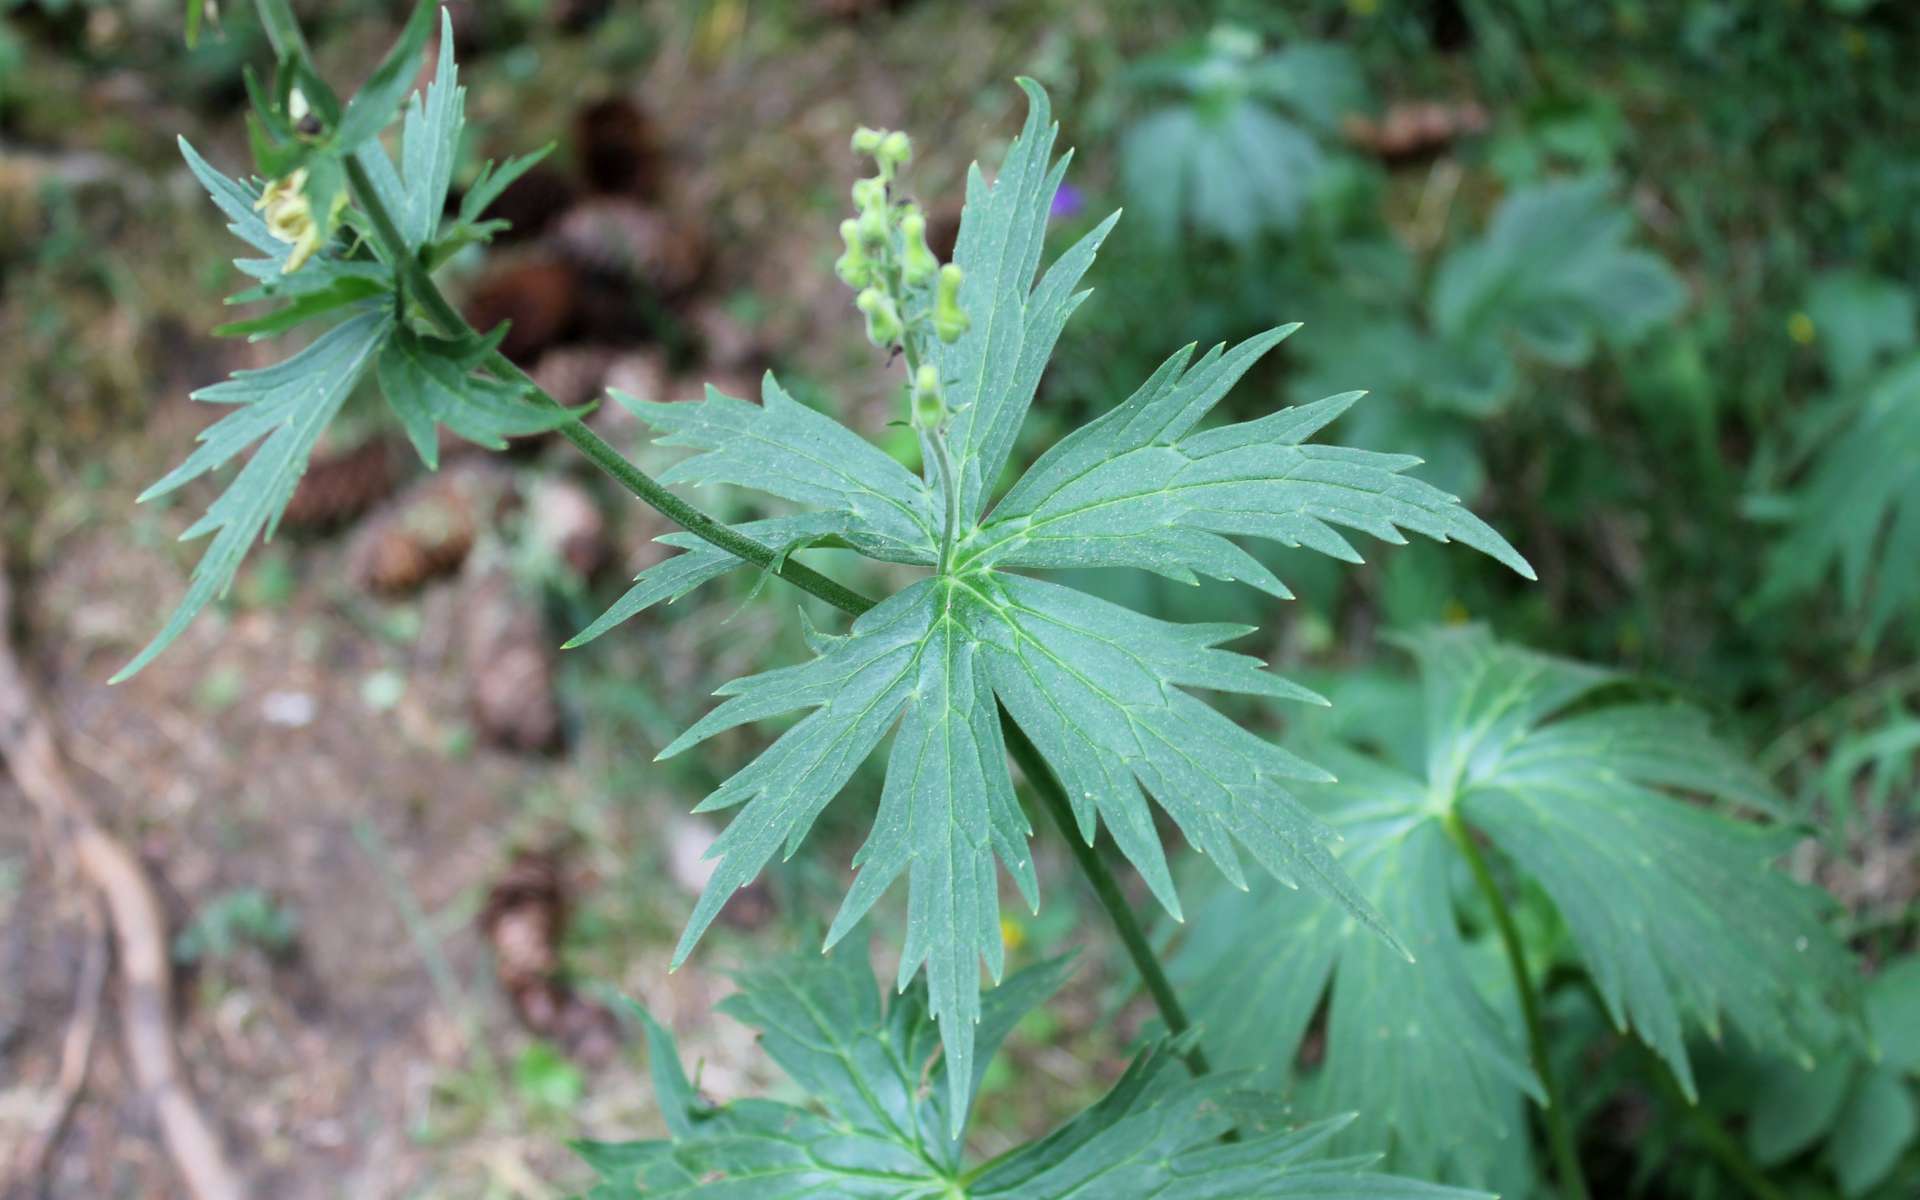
531,203
524,919
537,296
425,534
619,148
625,240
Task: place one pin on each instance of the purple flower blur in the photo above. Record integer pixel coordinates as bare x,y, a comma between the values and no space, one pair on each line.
1067,202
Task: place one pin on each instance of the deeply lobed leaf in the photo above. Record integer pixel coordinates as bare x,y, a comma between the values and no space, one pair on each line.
1138,487
783,448
1104,693
878,1132
287,404
430,382
1857,514
1679,915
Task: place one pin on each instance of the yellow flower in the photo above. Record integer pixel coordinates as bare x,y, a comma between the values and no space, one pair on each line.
1012,935
1800,328
289,217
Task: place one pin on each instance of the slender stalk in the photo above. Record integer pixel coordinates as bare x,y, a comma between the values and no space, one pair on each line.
1566,1156
1105,887
418,282
420,285
938,438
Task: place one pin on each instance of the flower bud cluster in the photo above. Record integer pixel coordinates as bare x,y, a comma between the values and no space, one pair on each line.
906,295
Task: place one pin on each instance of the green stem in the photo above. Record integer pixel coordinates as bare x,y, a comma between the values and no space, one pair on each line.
1566,1156
938,438
419,283
1105,887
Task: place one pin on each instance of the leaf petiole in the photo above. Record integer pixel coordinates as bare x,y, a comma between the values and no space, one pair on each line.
1566,1154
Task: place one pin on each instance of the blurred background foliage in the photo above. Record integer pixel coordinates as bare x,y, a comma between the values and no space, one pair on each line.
1637,279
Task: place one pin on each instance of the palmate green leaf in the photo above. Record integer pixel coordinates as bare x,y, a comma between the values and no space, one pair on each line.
1678,914
429,382
1862,321
1556,270
1096,686
991,373
1397,1035
1104,693
1231,175
1856,1105
701,561
287,404
1857,514
786,449
1226,158
880,1129
415,190
1138,487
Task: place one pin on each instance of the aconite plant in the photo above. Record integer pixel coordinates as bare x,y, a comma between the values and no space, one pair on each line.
982,663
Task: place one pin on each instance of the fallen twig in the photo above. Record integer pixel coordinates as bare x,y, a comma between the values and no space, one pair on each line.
76,1049
28,747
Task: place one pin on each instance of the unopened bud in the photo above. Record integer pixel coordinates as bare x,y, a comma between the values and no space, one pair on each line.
867,141
949,321
870,197
869,194
929,406
917,263
854,268
872,230
883,319
896,151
